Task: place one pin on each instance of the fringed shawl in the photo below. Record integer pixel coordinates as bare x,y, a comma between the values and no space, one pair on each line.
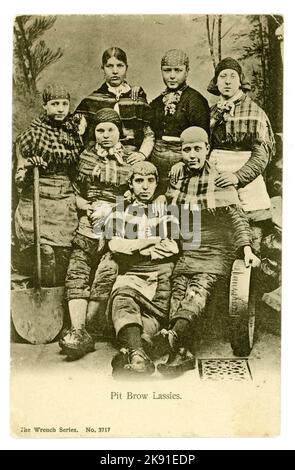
59,145
100,176
248,124
198,188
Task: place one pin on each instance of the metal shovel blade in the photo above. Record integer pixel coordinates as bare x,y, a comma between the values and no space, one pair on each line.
38,313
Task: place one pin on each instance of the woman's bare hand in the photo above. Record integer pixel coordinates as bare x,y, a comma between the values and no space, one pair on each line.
135,92
226,179
37,161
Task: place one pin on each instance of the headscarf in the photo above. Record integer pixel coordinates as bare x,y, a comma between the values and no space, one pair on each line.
174,58
55,91
228,63
106,115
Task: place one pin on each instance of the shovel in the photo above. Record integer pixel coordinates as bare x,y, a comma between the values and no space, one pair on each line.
37,313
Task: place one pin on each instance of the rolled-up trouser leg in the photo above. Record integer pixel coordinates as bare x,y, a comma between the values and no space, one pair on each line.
83,261
62,258
198,290
151,326
104,278
77,281
125,311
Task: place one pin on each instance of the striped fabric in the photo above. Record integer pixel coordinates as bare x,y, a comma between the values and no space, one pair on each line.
135,115
128,109
100,172
248,124
199,189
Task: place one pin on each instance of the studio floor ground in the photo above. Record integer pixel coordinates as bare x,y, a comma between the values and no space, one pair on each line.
82,399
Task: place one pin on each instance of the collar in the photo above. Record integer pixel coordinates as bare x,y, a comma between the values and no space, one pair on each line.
229,105
117,152
119,90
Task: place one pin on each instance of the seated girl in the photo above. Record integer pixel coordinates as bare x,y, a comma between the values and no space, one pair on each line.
200,266
142,244
102,178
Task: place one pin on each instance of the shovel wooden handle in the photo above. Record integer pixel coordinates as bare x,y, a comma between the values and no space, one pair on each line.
36,209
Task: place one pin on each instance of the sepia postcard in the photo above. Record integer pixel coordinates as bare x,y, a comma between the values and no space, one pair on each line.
146,225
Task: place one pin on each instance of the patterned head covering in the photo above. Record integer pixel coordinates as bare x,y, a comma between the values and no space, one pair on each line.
228,63
55,91
174,58
194,134
143,168
107,115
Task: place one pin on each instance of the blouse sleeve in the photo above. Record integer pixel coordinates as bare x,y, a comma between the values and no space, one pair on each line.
241,227
255,166
199,113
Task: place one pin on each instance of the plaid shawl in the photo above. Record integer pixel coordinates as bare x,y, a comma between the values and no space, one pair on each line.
56,144
100,167
247,123
199,188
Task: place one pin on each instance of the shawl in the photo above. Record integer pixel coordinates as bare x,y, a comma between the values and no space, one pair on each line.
245,122
136,113
56,143
198,188
98,165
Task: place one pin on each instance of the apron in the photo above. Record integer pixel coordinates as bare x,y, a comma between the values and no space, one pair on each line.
144,283
254,195
58,214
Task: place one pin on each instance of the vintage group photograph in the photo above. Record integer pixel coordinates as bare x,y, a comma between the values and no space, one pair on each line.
146,225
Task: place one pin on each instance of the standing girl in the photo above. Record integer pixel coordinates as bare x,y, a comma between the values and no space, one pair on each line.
129,103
